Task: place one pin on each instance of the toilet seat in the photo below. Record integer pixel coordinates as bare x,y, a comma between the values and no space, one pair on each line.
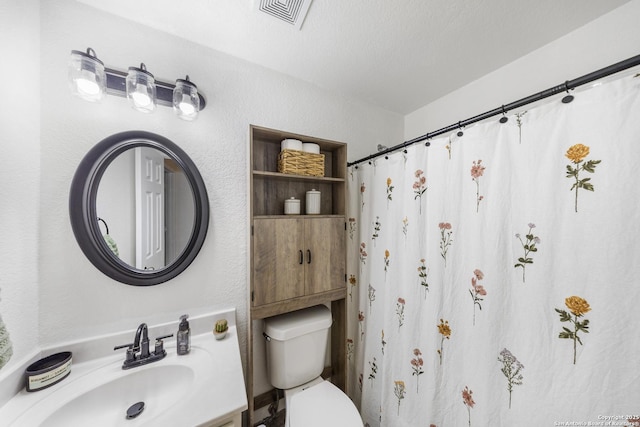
322,405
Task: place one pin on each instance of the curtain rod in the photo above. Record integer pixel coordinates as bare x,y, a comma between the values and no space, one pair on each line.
566,86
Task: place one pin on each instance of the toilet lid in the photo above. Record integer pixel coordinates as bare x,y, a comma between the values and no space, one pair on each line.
323,405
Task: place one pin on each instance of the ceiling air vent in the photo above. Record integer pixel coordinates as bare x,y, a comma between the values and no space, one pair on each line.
290,11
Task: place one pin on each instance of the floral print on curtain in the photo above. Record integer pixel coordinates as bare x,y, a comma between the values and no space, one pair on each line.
432,228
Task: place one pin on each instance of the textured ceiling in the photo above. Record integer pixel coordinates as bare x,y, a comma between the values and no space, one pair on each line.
397,54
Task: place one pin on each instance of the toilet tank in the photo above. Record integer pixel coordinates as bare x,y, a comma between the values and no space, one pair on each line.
296,345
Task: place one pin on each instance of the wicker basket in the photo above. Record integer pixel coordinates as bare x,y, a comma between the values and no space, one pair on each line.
300,163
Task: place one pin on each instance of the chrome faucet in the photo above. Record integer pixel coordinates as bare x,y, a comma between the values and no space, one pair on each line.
141,344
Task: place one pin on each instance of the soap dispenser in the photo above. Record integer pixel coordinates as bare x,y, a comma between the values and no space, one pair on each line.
184,336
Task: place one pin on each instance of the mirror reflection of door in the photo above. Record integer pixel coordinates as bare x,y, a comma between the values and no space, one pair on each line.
179,210
149,176
169,228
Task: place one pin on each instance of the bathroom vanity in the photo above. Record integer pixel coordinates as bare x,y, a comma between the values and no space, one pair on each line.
202,388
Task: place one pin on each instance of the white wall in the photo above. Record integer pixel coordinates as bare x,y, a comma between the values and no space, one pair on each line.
77,301
19,174
611,38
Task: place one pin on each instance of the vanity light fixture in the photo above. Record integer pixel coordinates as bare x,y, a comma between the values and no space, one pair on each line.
141,89
87,75
90,80
186,102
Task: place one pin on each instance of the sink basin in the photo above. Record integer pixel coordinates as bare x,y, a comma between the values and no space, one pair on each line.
205,387
103,395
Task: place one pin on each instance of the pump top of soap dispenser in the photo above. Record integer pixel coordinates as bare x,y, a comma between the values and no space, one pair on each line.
184,324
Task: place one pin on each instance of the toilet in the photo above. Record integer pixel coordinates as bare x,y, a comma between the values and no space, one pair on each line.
296,347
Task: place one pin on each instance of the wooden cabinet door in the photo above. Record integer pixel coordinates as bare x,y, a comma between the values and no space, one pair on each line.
324,254
278,270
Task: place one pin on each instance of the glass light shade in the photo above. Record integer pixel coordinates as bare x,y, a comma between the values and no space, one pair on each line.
86,75
141,89
186,102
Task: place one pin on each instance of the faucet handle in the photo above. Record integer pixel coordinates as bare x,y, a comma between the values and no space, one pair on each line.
118,347
159,348
163,337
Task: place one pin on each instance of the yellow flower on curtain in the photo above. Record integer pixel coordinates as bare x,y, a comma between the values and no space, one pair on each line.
445,330
578,307
386,260
577,153
399,391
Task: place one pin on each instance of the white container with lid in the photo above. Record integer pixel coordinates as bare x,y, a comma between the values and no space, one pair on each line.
292,206
310,147
291,144
312,205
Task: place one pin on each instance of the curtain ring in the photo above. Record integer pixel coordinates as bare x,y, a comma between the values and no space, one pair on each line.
460,133
568,98
504,118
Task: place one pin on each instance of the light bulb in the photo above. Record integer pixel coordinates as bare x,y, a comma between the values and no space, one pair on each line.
186,101
141,89
87,75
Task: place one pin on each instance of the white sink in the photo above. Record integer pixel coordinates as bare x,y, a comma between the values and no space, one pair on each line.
202,387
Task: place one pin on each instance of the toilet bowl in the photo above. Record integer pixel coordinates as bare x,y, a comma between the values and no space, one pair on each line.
320,404
296,347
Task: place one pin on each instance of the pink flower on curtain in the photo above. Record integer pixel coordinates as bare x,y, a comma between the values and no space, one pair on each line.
477,291
363,253
389,190
419,187
363,188
361,323
416,365
477,170
467,399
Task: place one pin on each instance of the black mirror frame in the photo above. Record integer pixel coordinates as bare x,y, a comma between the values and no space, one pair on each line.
83,215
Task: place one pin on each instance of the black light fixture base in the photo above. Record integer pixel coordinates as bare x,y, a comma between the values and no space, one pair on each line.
116,85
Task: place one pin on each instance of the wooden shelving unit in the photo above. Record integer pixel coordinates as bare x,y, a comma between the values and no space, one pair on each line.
297,261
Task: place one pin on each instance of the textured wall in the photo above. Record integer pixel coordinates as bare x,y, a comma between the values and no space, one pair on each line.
19,175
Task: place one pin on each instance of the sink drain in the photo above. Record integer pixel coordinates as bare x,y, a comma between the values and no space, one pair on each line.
135,410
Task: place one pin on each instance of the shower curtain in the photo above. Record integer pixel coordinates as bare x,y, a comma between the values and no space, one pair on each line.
494,277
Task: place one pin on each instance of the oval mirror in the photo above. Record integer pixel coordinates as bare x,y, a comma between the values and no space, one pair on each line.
139,208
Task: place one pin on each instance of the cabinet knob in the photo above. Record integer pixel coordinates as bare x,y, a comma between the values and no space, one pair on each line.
308,256
301,256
